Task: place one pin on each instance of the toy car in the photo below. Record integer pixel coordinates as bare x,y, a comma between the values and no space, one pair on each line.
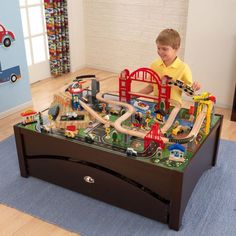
6,37
89,138
177,130
10,74
71,131
141,105
131,152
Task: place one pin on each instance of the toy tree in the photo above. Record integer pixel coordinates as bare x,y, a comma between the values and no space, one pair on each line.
114,136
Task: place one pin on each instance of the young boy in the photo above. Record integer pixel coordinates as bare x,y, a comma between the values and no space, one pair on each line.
168,44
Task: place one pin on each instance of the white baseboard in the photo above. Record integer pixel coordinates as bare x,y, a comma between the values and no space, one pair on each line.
16,109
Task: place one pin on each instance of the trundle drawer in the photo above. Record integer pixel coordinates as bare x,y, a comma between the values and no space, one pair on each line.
100,183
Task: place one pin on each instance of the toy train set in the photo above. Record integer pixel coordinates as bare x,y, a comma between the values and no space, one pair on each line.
159,131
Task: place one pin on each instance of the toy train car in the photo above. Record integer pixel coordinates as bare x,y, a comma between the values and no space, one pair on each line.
89,138
179,83
186,88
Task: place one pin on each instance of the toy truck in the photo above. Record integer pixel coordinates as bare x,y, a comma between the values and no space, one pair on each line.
11,74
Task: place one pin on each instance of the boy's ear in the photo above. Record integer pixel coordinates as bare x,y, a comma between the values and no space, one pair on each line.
177,49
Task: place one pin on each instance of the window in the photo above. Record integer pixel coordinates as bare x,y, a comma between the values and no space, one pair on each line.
34,30
163,90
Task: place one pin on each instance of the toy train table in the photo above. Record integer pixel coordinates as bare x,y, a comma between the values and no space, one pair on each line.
141,155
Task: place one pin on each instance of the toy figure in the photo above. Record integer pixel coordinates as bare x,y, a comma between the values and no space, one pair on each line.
160,116
107,130
75,102
148,114
191,114
147,121
139,117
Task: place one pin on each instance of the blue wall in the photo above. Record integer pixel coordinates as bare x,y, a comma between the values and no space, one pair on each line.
13,94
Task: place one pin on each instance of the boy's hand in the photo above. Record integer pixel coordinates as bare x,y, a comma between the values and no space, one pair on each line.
196,86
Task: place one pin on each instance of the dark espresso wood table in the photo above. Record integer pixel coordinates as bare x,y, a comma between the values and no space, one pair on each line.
144,188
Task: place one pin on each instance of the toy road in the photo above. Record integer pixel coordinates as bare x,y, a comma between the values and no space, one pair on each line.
117,123
172,116
131,110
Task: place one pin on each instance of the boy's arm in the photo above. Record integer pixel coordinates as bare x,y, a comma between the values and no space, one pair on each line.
146,90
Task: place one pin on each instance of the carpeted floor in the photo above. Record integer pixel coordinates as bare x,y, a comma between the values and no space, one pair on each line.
211,210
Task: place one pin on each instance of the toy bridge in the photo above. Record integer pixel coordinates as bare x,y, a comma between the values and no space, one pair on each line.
154,135
144,75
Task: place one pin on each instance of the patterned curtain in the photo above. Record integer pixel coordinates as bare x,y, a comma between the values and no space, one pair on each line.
58,36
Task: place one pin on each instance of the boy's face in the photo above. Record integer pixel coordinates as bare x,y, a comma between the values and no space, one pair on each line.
166,53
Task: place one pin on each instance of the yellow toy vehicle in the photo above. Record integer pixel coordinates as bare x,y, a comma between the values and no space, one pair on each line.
177,130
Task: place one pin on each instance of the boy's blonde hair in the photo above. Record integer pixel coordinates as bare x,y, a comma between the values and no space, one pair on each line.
169,37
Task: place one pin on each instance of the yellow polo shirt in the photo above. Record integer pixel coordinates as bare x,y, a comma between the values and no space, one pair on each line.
177,70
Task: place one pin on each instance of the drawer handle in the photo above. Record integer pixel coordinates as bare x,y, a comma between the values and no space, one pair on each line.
89,179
